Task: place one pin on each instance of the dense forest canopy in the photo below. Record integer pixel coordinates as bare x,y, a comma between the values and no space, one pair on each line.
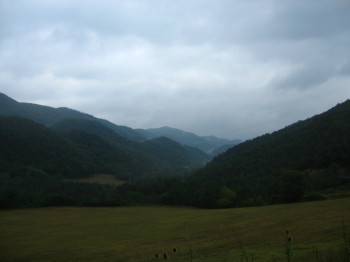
42,147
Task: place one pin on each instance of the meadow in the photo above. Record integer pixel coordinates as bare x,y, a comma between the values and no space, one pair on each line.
136,234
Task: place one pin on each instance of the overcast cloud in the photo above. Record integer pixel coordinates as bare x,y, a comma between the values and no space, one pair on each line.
234,69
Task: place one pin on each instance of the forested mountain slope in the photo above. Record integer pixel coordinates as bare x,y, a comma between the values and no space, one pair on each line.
171,153
300,162
310,144
123,151
207,144
79,148
304,161
160,152
49,116
25,143
54,117
313,154
71,153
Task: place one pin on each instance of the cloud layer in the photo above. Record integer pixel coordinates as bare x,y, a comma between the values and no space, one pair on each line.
235,69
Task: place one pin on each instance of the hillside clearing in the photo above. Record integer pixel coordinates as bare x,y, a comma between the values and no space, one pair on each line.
99,179
138,233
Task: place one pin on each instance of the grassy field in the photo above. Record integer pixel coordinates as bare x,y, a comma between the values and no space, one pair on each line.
99,179
138,233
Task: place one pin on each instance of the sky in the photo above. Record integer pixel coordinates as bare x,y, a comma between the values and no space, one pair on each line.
229,68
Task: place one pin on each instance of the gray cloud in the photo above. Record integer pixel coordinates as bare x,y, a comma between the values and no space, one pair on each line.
235,69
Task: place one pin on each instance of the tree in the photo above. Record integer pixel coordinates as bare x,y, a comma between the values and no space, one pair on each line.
227,198
291,186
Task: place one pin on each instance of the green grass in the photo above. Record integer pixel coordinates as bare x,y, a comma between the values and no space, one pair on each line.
138,233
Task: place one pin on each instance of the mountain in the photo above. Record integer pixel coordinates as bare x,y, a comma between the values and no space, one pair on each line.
107,158
207,144
90,126
221,142
313,154
49,116
222,149
173,153
313,143
302,161
161,152
99,145
79,148
25,143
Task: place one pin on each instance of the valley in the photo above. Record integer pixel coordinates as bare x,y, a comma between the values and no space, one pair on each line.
44,150
180,131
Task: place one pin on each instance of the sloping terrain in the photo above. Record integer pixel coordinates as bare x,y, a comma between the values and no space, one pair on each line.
314,143
207,144
113,149
25,143
49,116
313,154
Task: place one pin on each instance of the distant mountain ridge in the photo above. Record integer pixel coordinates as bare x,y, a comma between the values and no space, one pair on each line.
160,150
207,144
97,145
50,116
302,161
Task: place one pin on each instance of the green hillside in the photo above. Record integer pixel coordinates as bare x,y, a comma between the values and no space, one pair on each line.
313,154
159,153
120,148
89,126
69,153
171,153
80,147
305,161
49,116
25,143
314,143
111,159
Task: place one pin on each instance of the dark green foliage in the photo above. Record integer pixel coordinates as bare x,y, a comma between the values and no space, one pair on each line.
254,169
227,198
34,160
140,158
291,186
89,126
32,189
49,116
170,153
290,165
90,146
107,158
25,143
94,145
294,164
116,154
